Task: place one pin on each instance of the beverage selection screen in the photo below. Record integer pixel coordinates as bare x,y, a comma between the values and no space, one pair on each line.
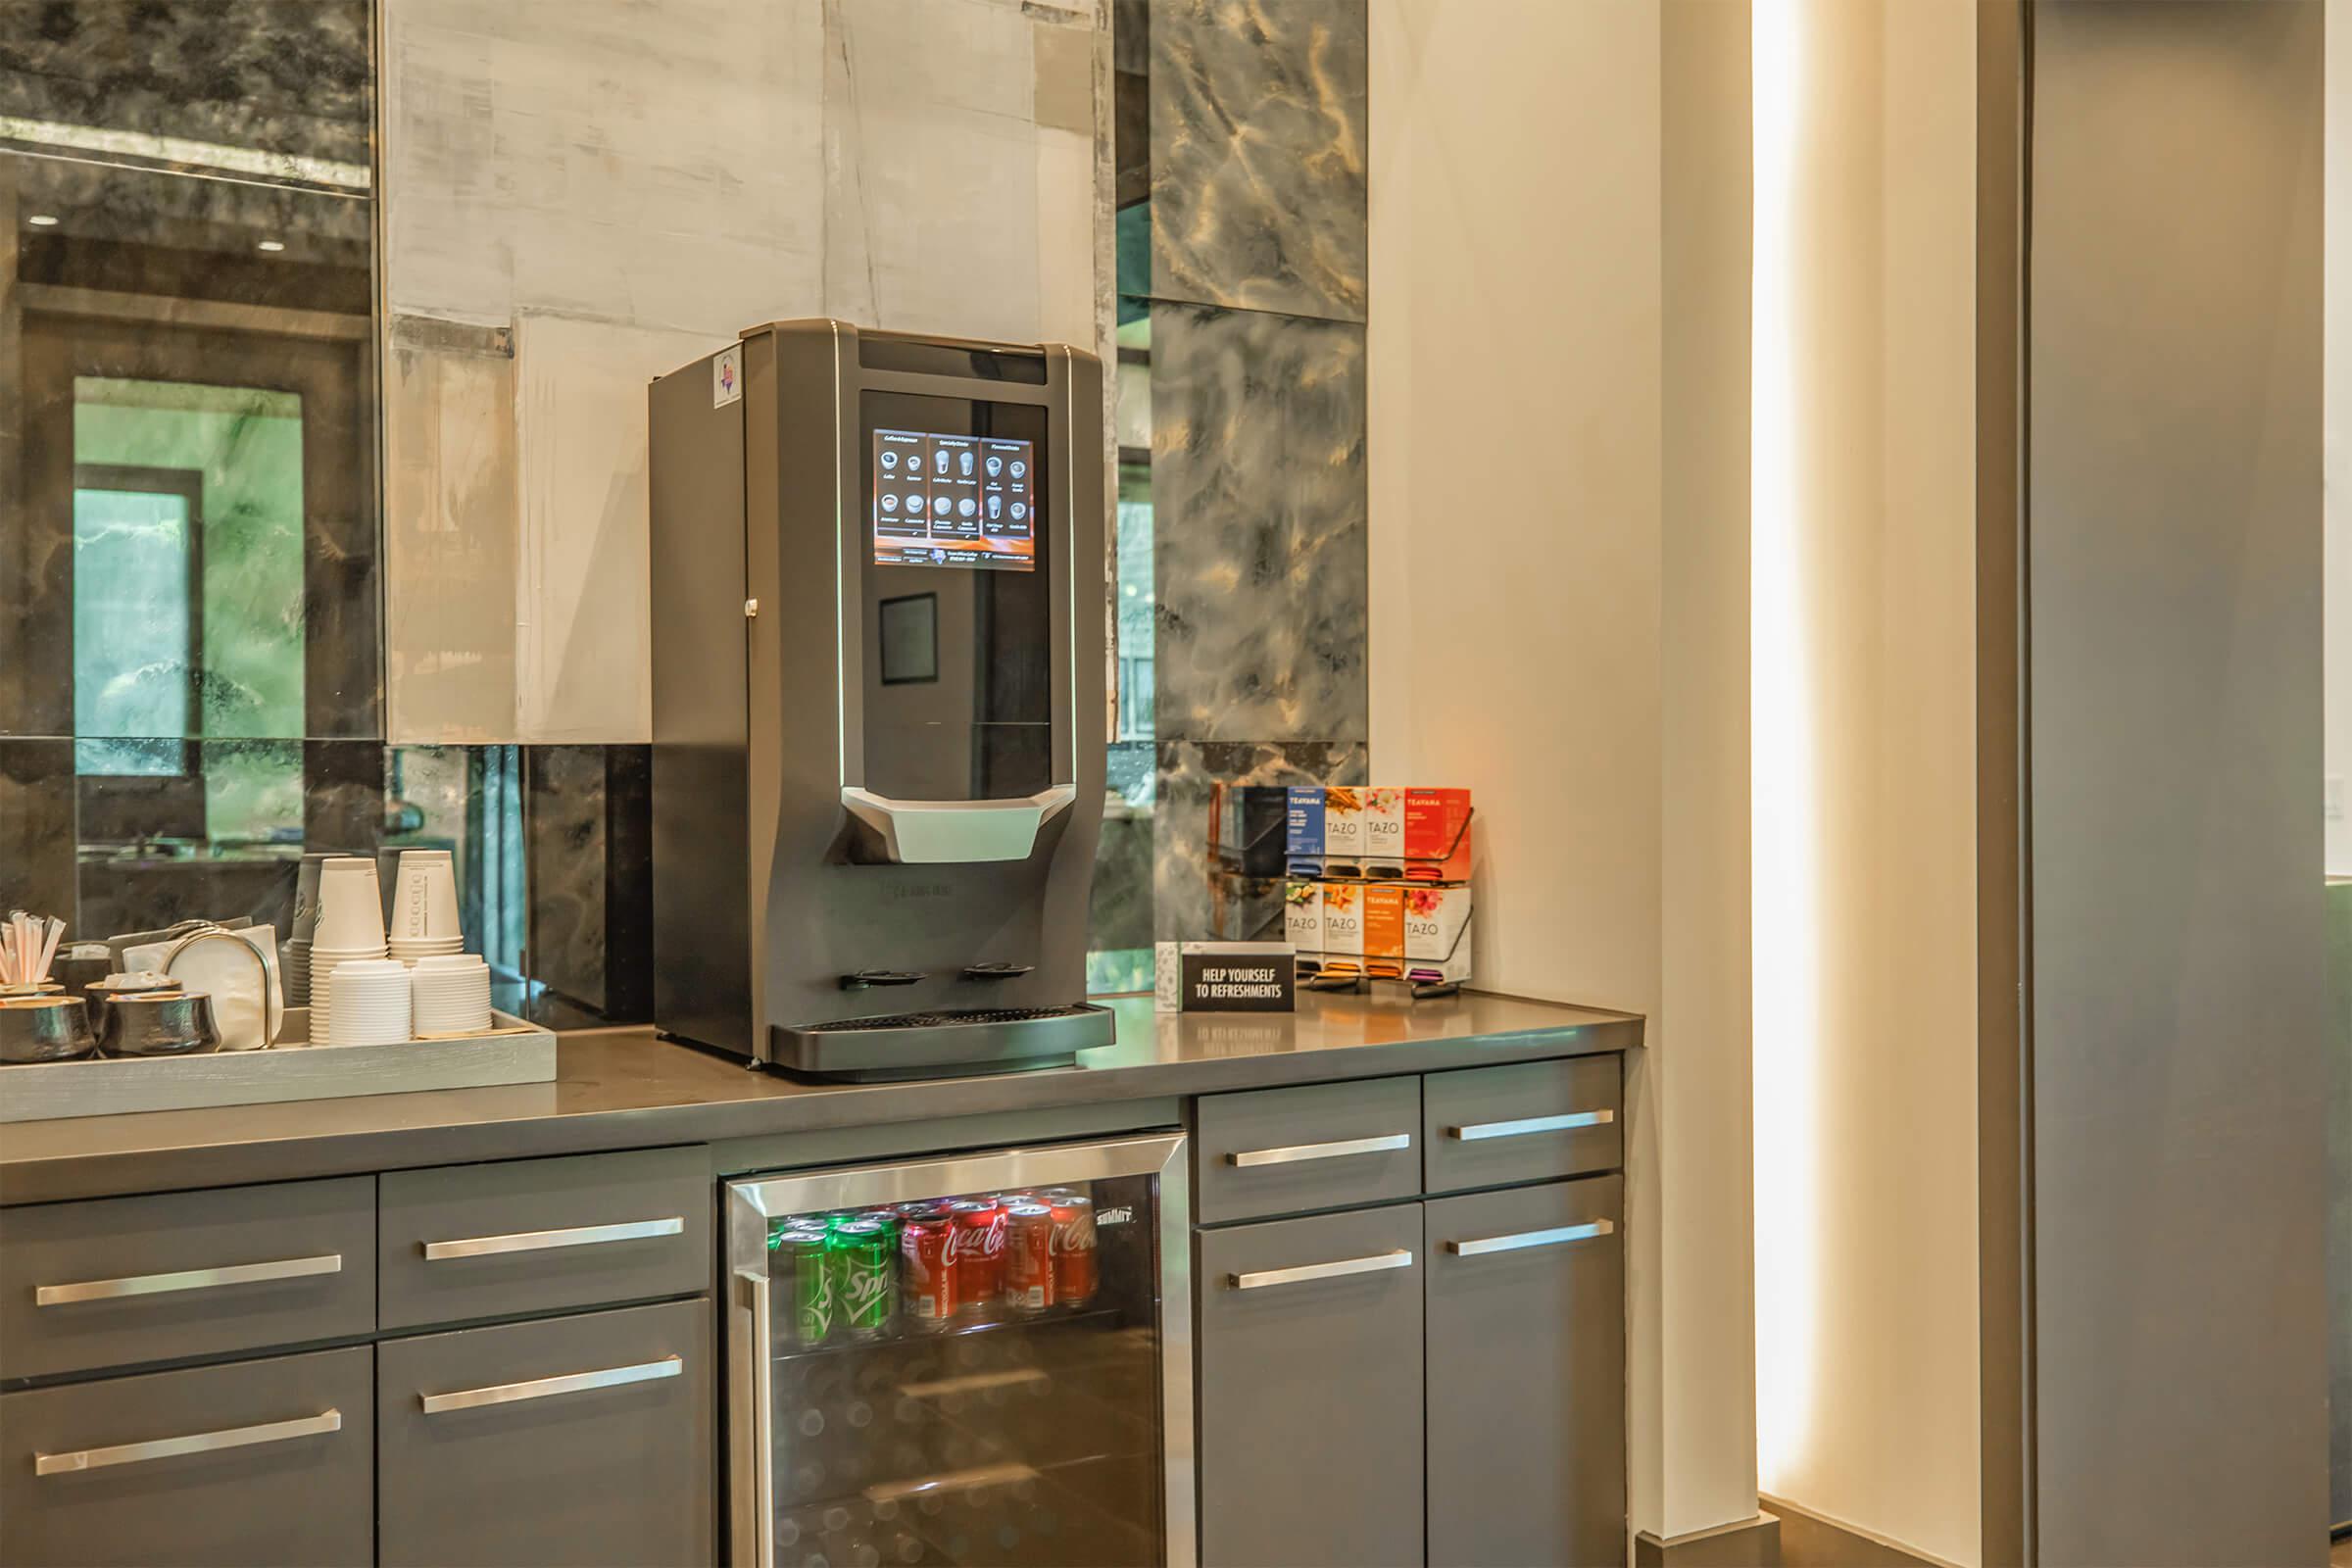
955,500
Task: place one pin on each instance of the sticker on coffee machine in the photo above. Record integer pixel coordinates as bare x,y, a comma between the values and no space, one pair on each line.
727,377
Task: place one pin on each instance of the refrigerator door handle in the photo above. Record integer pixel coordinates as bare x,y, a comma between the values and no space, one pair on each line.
754,1399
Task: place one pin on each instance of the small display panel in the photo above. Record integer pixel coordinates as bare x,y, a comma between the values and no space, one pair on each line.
953,501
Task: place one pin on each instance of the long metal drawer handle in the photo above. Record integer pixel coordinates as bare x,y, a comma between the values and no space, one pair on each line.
1321,1271
189,1279
1532,1124
1527,1239
53,1464
1298,1152
612,1377
636,1230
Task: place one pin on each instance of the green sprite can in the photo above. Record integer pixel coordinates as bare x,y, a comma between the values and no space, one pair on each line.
865,1263
805,1251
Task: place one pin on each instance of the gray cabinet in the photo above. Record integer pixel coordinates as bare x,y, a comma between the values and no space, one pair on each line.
1311,1389
251,1465
463,1242
1526,1366
1287,1150
572,1440
1523,1122
120,1281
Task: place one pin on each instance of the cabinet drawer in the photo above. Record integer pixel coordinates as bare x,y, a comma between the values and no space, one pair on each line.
1287,1150
115,1281
251,1464
465,1242
1527,1340
1488,1126
580,1440
1310,1391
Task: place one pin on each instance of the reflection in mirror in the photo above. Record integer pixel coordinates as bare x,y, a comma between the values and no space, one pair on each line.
188,594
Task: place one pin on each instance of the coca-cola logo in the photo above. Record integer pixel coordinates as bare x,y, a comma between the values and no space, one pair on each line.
1075,1235
976,1241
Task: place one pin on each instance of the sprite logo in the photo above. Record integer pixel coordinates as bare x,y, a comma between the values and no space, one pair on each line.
868,1292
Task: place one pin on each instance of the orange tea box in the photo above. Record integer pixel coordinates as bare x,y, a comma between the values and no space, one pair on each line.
1383,928
1342,925
1437,835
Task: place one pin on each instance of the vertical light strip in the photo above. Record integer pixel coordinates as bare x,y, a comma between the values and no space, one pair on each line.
1786,849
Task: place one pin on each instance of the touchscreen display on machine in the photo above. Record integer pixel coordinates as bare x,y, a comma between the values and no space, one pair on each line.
953,501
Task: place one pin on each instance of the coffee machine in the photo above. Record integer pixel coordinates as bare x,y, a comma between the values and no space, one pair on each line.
877,566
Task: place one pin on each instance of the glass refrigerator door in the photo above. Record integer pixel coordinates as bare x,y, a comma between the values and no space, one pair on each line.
982,1359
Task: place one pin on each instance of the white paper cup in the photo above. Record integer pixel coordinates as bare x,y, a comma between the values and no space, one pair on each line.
351,907
424,900
369,1004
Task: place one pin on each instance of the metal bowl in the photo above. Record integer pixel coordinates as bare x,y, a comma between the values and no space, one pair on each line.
45,1029
159,1024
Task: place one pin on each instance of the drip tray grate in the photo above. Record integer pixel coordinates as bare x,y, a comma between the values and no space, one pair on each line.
942,1043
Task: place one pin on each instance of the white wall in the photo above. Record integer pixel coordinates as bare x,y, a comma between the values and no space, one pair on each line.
1863,671
580,196
1549,631
2337,416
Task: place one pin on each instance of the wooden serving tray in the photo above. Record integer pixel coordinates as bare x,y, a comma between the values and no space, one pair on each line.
511,1052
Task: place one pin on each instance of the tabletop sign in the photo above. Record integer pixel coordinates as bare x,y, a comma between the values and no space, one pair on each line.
1240,977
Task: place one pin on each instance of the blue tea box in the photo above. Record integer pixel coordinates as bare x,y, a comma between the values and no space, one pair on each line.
1302,825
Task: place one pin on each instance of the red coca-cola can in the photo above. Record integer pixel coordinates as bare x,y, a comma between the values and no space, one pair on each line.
1075,1274
979,1249
1029,1257
929,1278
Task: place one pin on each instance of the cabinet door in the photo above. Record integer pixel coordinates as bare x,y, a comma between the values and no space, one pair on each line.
1310,1391
254,1463
573,1441
1527,1376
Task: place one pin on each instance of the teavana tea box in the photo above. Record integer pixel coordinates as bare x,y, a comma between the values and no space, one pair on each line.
1383,824
1343,822
1302,825
1437,835
1384,929
1302,914
1342,925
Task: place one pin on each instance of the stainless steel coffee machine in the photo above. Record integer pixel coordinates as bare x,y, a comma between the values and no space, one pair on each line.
877,566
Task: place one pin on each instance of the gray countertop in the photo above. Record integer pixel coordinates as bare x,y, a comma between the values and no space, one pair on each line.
627,1088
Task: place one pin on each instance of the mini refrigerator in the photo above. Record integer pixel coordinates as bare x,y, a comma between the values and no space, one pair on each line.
970,1360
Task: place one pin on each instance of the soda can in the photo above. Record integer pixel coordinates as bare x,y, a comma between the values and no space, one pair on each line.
805,1251
867,1270
1075,1272
927,1273
1029,1257
979,1253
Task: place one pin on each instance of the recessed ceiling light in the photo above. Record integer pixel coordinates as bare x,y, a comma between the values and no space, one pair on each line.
41,221
271,245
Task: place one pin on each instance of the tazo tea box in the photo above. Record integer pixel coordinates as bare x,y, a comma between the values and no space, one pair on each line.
1437,931
1303,916
1342,943
1343,823
1384,825
1437,835
1383,928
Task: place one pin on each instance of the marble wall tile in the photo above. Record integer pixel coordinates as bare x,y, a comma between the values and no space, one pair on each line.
1259,117
258,75
1191,900
1258,494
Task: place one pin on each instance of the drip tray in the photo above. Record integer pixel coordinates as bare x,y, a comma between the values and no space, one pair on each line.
943,1042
